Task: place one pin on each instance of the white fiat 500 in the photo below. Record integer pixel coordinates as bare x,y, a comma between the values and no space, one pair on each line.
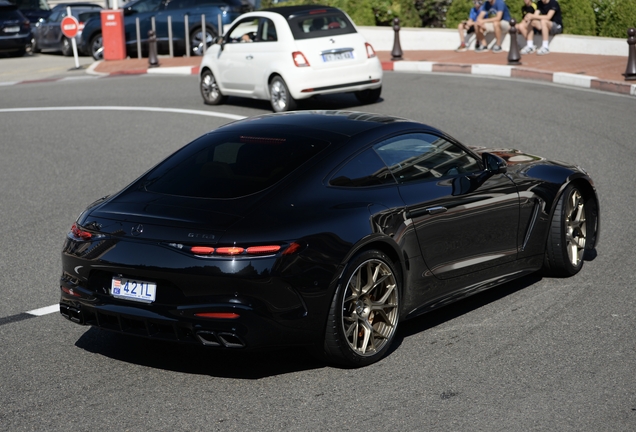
290,53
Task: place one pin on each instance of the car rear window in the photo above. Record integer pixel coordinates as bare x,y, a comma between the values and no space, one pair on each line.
226,165
320,23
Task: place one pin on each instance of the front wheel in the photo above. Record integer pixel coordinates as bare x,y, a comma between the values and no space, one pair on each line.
279,96
198,38
67,47
210,89
97,47
568,235
365,311
369,96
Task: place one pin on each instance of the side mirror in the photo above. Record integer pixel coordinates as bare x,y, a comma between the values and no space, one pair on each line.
494,164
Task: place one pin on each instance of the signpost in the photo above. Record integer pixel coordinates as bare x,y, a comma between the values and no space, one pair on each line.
70,27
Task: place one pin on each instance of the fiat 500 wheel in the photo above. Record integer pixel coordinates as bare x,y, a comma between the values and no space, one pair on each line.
568,235
364,312
210,89
279,96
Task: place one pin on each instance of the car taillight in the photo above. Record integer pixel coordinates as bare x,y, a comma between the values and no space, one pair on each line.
217,315
299,59
80,26
80,233
237,250
370,50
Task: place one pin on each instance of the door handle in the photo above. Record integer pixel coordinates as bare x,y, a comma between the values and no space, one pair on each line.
436,210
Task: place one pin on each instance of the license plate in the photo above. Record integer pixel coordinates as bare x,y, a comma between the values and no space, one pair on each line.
131,289
346,55
11,29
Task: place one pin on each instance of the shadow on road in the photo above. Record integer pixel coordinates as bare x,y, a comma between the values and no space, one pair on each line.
223,363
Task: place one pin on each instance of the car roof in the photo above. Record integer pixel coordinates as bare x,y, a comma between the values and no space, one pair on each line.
6,4
290,11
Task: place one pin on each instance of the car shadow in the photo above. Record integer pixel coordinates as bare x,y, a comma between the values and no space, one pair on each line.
257,364
323,102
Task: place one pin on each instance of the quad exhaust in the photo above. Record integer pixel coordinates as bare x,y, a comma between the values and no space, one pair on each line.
224,339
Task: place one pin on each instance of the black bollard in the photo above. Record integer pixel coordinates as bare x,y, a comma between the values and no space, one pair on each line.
630,71
513,54
152,49
396,53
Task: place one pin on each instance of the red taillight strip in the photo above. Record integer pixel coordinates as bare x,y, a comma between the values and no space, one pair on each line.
237,250
254,250
80,233
202,250
232,250
217,315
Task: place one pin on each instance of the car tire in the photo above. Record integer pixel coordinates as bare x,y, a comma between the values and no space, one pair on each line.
196,40
210,89
97,47
369,96
34,46
279,96
364,312
568,236
67,47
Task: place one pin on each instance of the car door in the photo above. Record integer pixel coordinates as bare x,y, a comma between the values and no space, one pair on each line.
50,31
143,10
464,219
240,63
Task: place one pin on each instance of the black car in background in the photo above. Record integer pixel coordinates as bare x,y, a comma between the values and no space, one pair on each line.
34,10
144,10
47,33
323,228
15,30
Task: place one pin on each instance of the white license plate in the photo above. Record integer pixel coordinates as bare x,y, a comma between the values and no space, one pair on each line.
347,55
131,289
11,29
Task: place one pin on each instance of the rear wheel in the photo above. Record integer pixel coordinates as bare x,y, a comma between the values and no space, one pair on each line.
97,47
198,38
210,89
279,96
67,47
365,310
369,96
568,235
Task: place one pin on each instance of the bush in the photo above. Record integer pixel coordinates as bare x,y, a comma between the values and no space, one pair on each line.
578,17
386,10
457,12
620,16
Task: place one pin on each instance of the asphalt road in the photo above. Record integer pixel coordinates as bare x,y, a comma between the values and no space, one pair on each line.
536,354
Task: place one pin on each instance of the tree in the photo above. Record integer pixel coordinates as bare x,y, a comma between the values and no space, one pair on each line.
620,16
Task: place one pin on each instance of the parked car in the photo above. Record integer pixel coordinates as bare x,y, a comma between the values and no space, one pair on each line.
34,10
48,32
15,30
144,10
323,228
290,53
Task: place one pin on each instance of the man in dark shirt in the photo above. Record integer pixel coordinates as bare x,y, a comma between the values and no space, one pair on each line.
547,19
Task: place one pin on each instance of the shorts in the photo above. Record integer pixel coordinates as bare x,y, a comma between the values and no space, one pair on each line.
505,26
471,29
556,29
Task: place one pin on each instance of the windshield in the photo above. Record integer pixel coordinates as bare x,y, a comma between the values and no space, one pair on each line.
227,165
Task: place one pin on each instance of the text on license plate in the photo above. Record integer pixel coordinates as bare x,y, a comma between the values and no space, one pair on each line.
345,55
131,289
11,29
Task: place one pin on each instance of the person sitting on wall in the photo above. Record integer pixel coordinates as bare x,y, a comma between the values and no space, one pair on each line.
547,19
494,16
468,25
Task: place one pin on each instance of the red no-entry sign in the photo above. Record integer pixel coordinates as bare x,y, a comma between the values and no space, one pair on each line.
70,26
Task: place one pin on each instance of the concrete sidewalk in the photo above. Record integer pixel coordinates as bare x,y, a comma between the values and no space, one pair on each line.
579,70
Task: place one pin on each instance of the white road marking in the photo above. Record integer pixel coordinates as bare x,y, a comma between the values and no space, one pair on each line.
124,108
45,310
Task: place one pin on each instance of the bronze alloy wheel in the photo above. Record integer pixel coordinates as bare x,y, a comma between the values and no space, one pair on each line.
369,307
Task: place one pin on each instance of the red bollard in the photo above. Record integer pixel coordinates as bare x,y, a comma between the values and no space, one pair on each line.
630,72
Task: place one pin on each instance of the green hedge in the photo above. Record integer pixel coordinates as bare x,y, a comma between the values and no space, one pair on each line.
578,17
620,16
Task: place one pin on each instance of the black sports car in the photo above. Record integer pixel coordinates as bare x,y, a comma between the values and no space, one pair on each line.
319,228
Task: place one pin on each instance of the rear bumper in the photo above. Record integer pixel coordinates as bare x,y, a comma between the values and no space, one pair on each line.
15,43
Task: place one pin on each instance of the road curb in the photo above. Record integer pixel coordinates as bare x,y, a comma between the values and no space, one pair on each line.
569,79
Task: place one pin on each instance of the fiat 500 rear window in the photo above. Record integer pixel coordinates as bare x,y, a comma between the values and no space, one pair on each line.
317,25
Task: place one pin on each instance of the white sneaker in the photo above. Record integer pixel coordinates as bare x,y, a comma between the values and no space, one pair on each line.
527,49
543,51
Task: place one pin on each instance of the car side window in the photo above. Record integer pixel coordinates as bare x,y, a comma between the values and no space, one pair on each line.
146,6
420,156
364,170
267,31
179,4
57,16
244,31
